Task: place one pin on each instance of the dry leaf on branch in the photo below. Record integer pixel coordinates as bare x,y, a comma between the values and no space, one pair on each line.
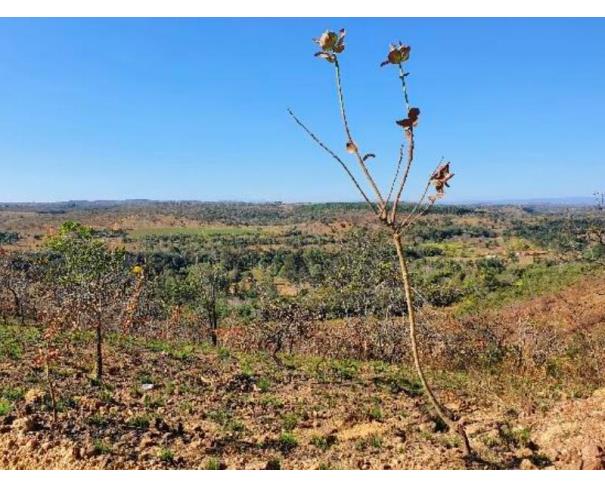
440,178
397,54
412,120
331,43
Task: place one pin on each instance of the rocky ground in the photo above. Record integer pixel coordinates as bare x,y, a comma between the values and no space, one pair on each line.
166,405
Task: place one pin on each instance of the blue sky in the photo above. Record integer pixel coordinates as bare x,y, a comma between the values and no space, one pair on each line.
196,108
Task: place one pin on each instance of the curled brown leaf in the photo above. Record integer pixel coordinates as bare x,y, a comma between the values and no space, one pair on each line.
440,178
412,120
397,54
331,41
351,147
326,55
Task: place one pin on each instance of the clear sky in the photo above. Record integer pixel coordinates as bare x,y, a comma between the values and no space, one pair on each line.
196,108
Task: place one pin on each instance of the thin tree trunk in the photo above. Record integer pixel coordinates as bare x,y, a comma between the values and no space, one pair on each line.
439,409
18,305
51,390
99,352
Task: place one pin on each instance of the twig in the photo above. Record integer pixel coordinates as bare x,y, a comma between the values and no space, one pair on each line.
398,168
404,88
409,133
350,140
420,201
338,159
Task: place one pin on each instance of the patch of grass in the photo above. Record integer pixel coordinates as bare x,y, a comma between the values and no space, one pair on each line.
5,407
106,396
345,369
139,422
323,442
14,338
271,400
289,421
375,413
287,442
224,354
13,393
400,381
225,419
450,441
153,402
10,348
374,441
517,437
98,420
213,464
264,384
145,377
186,407
176,350
101,447
166,455
183,352
62,404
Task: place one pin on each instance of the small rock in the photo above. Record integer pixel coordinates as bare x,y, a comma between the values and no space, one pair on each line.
146,387
524,453
24,425
593,457
76,453
88,451
33,444
147,442
526,464
33,396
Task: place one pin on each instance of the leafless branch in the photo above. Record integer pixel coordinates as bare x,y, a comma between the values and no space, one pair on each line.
336,157
351,142
409,133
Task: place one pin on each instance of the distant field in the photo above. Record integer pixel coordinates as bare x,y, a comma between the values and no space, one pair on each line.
209,231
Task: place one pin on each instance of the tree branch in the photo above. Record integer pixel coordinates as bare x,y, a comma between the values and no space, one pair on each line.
350,140
338,159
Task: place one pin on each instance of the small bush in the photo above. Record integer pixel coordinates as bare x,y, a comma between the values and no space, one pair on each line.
213,464
287,442
5,407
289,421
139,422
101,447
97,420
263,384
166,455
323,442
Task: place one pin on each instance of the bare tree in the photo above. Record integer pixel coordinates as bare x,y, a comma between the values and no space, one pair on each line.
386,205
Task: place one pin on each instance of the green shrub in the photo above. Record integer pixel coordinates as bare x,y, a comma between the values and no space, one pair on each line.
287,442
323,442
166,455
139,422
5,407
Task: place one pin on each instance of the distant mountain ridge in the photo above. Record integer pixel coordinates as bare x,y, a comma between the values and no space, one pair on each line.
572,201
